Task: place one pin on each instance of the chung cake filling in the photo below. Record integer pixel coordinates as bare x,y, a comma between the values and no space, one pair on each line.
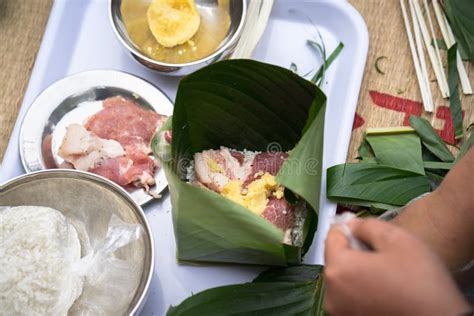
249,179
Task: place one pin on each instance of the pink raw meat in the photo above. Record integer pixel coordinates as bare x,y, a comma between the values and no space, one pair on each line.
238,155
266,162
124,121
133,127
279,213
123,170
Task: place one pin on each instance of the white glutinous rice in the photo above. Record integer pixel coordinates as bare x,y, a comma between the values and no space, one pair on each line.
38,247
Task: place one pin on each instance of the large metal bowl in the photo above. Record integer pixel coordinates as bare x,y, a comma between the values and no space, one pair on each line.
71,190
237,12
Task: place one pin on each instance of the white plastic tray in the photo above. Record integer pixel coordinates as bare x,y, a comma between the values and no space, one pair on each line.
79,37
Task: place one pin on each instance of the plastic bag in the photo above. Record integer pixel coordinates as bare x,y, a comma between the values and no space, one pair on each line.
341,221
110,282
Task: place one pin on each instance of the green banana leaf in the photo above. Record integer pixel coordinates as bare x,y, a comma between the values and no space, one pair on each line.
366,153
435,179
402,151
365,204
468,143
301,273
461,17
438,165
374,183
209,227
454,101
243,104
302,172
431,139
290,291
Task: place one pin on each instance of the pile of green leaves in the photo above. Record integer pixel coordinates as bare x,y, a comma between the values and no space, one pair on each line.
278,291
394,167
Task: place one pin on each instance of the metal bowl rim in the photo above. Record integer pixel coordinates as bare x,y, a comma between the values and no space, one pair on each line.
136,52
57,173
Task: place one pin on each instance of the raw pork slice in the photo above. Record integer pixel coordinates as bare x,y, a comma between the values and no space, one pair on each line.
279,213
115,143
266,162
214,168
84,149
126,122
123,170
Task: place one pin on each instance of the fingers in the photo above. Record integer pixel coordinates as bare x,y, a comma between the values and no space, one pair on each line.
336,242
376,233
342,266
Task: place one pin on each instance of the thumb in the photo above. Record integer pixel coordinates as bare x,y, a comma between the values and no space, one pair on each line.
376,233
335,244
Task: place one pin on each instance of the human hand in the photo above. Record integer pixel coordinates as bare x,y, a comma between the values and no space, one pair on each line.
399,276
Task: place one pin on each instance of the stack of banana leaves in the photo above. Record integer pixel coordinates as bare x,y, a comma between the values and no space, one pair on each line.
395,166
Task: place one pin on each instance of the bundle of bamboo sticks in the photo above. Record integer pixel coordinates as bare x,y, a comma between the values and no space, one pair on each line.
423,28
255,24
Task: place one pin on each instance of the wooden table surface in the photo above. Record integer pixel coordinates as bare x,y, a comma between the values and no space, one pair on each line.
385,99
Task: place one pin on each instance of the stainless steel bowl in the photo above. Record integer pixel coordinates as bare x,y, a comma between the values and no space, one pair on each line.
237,12
70,190
73,100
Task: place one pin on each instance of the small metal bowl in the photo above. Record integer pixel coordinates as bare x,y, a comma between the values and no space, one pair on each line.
237,12
71,190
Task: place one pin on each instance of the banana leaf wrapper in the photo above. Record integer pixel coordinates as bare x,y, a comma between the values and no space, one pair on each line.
242,104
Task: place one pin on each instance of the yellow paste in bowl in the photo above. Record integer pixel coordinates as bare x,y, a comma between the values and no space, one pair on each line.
175,31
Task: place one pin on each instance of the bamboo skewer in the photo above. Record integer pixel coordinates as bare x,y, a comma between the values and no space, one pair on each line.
439,18
414,56
448,37
438,56
434,58
264,12
465,84
421,55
